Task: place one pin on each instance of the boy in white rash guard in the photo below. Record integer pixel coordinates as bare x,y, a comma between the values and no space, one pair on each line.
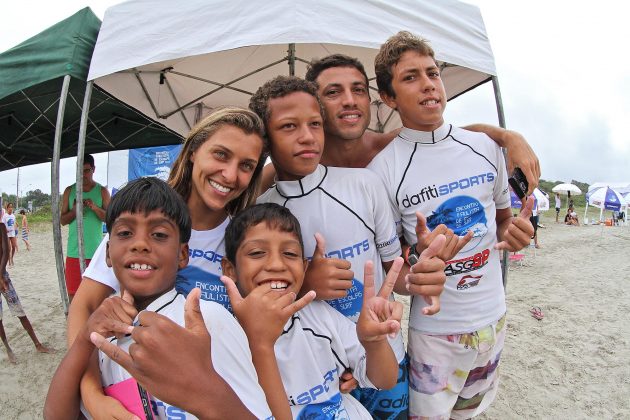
346,206
203,269
307,344
149,227
454,354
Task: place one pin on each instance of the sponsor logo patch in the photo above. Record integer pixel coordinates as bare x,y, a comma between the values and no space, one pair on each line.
468,281
468,264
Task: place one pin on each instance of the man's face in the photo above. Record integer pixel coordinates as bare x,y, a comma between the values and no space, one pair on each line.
88,172
420,95
267,257
346,100
296,135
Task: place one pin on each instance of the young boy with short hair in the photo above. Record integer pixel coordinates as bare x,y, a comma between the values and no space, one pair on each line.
345,206
312,344
149,229
458,178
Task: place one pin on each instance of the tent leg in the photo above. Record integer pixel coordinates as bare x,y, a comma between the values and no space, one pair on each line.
291,59
54,187
79,186
501,116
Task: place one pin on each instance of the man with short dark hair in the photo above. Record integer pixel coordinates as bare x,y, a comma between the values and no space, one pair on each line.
95,202
343,90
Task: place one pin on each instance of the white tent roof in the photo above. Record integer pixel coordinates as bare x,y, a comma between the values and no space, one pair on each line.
194,46
621,187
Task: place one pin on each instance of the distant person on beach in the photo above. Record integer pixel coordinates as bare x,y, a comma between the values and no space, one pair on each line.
25,230
149,227
534,221
558,205
571,217
217,174
10,295
8,218
454,354
95,201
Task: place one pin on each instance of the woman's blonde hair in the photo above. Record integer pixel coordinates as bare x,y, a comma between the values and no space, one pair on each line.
180,178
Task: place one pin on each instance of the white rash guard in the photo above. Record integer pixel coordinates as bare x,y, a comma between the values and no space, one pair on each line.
456,177
316,346
349,208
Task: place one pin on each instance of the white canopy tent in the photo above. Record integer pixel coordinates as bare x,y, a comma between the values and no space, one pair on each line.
174,61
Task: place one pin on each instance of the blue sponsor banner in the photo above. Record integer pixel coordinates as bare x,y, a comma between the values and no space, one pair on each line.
152,161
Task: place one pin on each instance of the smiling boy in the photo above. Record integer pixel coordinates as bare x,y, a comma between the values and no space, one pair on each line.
311,343
149,229
454,355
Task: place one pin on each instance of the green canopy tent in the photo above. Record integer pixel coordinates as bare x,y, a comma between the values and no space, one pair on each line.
43,89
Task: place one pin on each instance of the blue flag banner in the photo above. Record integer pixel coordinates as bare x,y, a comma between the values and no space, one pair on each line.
152,161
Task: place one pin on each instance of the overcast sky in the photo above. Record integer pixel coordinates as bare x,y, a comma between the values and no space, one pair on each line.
563,69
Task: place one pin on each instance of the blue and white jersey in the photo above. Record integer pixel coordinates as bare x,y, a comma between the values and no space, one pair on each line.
203,270
230,354
315,347
9,221
458,178
349,208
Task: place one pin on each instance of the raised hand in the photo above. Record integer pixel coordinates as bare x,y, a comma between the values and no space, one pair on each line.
379,316
427,278
114,317
160,351
520,154
452,245
264,312
330,278
519,231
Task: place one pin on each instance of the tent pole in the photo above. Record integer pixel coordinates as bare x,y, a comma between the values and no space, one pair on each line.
54,187
79,185
291,59
501,116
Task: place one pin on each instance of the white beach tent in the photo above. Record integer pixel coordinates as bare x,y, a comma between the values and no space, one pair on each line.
174,61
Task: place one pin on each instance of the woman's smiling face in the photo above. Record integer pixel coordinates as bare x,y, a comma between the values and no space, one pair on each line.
223,167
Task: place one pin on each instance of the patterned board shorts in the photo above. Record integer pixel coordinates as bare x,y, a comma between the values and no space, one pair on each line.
12,299
454,376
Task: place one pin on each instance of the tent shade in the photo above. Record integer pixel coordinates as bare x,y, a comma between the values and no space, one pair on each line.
171,60
31,76
64,48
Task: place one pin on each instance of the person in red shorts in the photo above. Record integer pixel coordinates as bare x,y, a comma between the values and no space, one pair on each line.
95,202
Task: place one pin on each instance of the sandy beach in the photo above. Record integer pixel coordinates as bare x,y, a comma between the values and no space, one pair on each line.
572,364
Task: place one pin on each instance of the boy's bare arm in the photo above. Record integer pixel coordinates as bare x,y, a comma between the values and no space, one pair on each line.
88,298
519,152
63,398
